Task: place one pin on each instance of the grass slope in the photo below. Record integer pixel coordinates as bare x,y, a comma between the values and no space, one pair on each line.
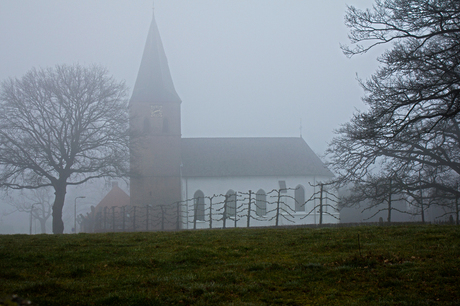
398,265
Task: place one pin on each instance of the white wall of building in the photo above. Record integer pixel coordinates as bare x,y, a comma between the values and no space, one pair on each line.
217,187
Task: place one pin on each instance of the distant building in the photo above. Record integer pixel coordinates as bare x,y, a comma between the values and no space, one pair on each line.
100,219
180,175
115,198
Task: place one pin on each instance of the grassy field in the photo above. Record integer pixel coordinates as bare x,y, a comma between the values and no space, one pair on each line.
379,265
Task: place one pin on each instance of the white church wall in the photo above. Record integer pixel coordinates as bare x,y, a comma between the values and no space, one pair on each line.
219,186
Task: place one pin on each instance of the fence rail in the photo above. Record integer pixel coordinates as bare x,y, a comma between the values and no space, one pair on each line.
237,209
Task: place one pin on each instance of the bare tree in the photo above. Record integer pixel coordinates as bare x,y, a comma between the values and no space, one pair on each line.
62,126
375,190
411,123
443,196
37,203
419,76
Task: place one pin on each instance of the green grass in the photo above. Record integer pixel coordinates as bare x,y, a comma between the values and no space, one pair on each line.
398,265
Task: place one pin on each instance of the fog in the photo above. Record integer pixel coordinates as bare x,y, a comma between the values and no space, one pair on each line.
260,68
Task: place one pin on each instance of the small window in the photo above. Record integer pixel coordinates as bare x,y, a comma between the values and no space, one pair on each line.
261,203
199,205
299,198
230,202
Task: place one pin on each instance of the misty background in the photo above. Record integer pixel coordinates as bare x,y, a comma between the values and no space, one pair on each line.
256,68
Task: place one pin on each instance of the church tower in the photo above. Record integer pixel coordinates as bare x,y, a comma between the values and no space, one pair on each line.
155,127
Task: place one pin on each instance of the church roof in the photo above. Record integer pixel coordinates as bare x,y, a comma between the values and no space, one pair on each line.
115,198
226,157
154,82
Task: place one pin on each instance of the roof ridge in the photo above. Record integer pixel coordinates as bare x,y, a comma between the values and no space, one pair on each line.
266,156
246,137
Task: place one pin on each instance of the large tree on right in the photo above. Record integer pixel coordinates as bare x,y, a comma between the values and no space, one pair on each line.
413,99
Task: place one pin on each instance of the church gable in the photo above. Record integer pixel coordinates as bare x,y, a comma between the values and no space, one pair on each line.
116,197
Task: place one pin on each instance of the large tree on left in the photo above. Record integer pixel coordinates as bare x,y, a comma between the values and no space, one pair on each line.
62,126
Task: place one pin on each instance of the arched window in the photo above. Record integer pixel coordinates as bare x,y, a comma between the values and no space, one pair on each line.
299,198
199,205
230,202
261,203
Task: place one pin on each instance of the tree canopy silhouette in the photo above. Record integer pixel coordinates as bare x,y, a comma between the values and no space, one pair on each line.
413,99
62,126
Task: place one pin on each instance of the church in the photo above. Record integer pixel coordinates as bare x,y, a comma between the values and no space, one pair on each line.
213,182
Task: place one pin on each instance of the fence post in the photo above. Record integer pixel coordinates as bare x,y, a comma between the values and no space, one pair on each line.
195,204
249,209
278,207
123,220
99,221
321,204
210,212
105,218
147,218
113,218
178,216
224,219
236,210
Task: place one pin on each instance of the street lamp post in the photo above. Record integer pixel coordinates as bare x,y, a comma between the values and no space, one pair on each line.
75,213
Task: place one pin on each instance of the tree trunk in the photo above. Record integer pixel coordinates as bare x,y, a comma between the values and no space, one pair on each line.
58,225
421,199
389,204
43,225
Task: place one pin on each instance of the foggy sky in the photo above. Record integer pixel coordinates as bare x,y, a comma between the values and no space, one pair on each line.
251,68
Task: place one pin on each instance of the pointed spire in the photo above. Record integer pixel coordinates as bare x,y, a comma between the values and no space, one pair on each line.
154,83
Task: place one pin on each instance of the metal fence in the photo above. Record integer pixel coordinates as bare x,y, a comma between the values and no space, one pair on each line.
234,209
